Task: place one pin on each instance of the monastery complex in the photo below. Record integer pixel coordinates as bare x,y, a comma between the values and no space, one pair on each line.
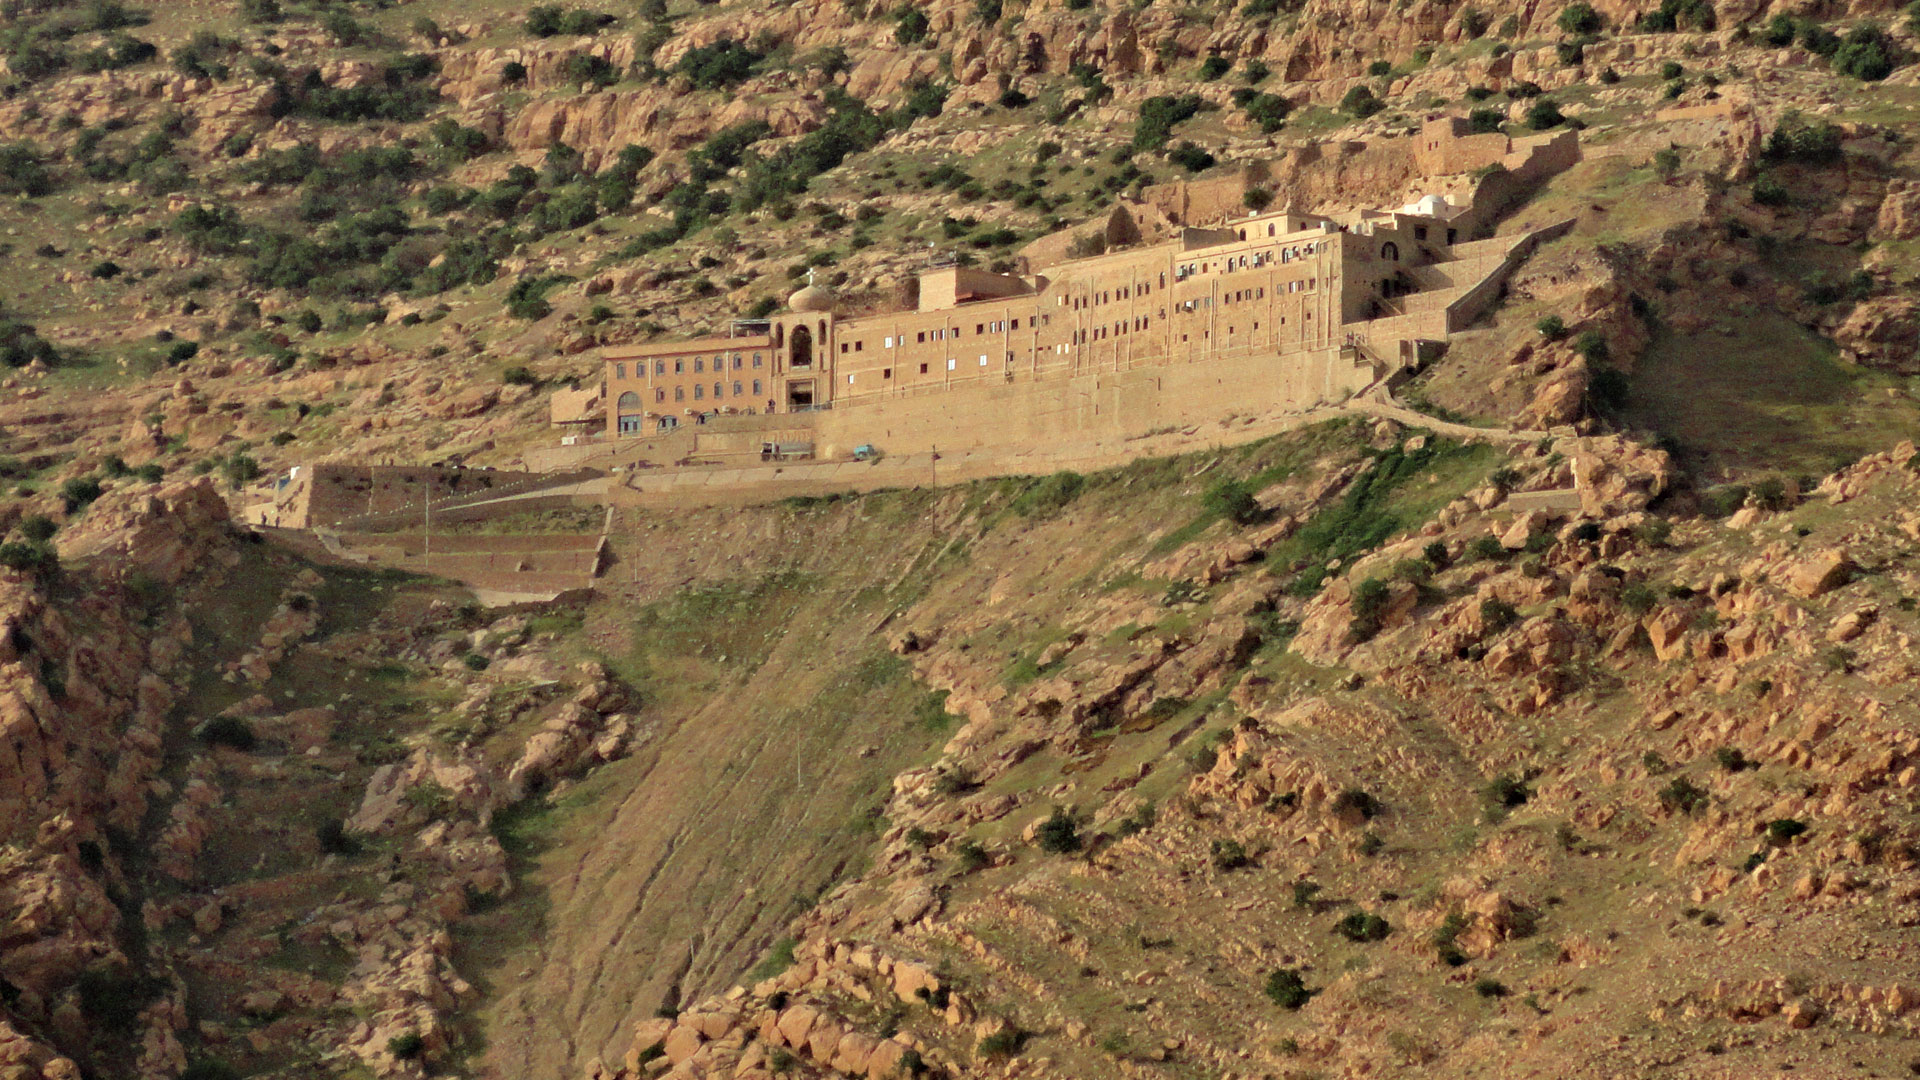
1195,312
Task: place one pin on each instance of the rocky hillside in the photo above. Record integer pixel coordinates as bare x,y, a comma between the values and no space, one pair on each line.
1355,752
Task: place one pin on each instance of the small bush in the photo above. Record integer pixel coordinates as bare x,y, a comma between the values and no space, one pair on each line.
1356,799
38,528
1506,792
1783,830
1682,797
1488,987
1553,327
1497,614
30,557
1580,18
1731,759
1362,926
1058,835
969,856
1228,855
519,376
1361,103
406,1046
475,662
1287,989
1050,495
334,839
229,731
79,492
1233,500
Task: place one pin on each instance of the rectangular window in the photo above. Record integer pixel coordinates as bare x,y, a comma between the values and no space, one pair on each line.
679,393
923,369
950,363
736,389
849,380
619,371
679,367
922,336
699,391
756,361
886,373
859,346
699,364
844,347
888,343
983,359
660,393
1016,324
717,388
979,328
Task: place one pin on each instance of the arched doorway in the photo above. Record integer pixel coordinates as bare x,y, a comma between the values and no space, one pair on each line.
800,348
628,410
1390,251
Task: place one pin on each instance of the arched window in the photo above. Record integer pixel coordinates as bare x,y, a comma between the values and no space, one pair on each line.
1390,251
629,402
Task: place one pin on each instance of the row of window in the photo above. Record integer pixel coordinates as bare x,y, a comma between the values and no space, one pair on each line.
700,391
943,333
699,365
952,365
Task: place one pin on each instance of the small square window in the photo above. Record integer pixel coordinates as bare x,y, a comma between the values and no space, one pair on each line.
886,373
923,369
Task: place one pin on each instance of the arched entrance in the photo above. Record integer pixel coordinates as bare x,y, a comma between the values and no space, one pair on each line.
628,410
800,348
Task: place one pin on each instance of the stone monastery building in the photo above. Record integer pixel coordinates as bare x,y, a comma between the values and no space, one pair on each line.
1275,309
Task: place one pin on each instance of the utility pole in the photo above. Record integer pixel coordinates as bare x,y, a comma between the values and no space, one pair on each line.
427,548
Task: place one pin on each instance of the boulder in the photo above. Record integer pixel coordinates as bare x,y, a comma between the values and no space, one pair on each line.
1820,573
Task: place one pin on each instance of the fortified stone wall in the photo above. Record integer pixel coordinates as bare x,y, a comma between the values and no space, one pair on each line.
1034,412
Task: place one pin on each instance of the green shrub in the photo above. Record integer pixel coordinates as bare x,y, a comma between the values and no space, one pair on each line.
406,1046
1486,548
1157,118
1356,799
519,376
1049,495
1058,835
1580,18
1488,987
1486,121
1867,54
23,171
229,731
79,492
910,25
1544,114
1214,66
1362,926
1361,103
1782,830
38,528
1287,989
209,1069
334,839
1796,138
1001,1044
29,557
1681,796
969,856
1232,499
717,66
1496,614
1505,792
1228,855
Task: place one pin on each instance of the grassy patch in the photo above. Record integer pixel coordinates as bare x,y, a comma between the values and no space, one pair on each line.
1762,393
